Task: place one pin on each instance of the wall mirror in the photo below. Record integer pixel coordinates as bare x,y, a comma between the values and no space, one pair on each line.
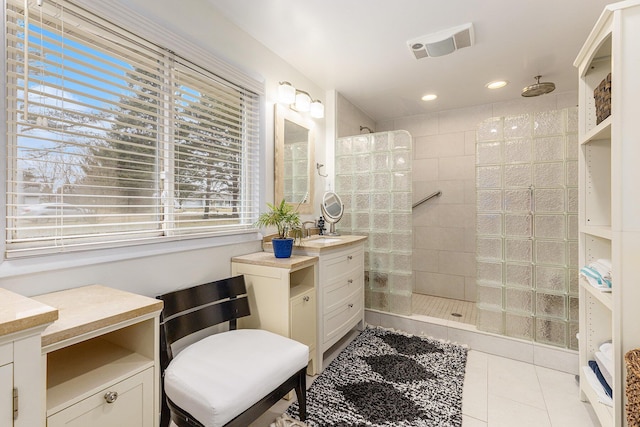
294,159
332,209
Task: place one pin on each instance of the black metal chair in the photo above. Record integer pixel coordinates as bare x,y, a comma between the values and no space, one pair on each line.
228,378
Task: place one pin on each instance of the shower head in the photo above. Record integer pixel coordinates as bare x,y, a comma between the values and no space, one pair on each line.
365,128
538,88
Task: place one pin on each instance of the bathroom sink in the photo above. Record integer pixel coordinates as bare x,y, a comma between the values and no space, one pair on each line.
325,240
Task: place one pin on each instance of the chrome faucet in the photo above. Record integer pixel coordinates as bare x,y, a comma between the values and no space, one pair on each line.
305,229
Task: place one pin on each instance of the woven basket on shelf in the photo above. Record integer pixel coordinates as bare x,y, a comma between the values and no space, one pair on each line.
602,97
632,361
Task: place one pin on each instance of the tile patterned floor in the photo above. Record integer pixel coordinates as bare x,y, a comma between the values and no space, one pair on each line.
501,392
443,308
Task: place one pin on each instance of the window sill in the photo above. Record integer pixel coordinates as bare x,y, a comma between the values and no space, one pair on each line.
38,264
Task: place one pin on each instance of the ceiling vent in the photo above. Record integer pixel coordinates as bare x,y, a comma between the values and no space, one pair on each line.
443,42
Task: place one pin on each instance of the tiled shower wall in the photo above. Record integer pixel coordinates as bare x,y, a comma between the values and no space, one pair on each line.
444,229
527,226
349,118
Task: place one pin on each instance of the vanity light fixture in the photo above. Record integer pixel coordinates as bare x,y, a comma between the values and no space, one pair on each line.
299,100
496,84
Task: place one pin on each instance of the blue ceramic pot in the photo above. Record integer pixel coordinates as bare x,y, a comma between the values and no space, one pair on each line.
282,247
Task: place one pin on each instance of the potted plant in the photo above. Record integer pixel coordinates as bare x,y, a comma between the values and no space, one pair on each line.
287,220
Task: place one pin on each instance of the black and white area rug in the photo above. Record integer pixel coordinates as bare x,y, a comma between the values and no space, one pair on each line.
389,378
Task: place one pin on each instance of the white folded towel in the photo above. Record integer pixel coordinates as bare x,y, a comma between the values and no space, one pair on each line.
595,279
603,267
606,348
606,367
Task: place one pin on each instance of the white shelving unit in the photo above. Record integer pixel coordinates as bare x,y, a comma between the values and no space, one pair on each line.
609,209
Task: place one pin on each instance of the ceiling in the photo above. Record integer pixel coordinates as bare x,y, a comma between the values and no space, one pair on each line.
359,48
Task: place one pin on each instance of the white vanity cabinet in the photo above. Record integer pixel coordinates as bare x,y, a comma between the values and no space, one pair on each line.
21,322
282,297
340,286
101,358
6,385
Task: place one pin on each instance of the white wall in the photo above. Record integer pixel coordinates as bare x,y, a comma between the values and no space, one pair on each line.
444,228
151,270
350,118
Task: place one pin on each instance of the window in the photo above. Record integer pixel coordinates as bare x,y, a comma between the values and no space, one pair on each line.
113,140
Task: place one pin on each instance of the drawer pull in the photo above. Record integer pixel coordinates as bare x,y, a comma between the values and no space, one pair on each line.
350,305
306,299
349,256
111,396
350,281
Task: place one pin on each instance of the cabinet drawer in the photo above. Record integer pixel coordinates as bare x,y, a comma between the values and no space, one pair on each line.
336,292
345,316
132,407
343,263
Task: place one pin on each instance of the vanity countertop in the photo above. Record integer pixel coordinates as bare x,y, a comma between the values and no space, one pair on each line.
321,243
86,309
18,313
267,259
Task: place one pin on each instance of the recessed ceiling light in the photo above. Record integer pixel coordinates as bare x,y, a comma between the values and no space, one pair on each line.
429,97
497,84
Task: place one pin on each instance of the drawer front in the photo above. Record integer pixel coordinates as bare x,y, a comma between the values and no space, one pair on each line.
340,264
343,287
132,407
339,321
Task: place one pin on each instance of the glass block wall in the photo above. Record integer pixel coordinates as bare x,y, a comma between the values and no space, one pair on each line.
373,178
527,226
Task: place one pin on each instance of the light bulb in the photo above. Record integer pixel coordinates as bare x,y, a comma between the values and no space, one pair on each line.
317,109
497,84
303,101
286,93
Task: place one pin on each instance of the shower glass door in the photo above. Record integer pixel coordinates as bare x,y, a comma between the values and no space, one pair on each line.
527,226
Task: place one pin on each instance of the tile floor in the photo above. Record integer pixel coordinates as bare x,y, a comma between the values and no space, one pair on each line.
501,392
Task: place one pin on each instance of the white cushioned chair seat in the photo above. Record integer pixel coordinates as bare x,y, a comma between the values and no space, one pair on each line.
220,376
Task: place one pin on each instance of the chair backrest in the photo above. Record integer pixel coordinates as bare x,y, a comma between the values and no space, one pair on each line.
190,310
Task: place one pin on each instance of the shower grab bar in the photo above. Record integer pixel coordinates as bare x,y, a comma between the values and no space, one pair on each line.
429,197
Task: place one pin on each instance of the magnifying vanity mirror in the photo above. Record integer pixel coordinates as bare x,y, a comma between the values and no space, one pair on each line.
332,210
294,159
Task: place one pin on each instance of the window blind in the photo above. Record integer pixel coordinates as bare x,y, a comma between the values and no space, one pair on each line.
113,140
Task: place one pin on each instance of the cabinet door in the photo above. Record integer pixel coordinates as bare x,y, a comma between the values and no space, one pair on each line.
133,406
303,318
6,395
